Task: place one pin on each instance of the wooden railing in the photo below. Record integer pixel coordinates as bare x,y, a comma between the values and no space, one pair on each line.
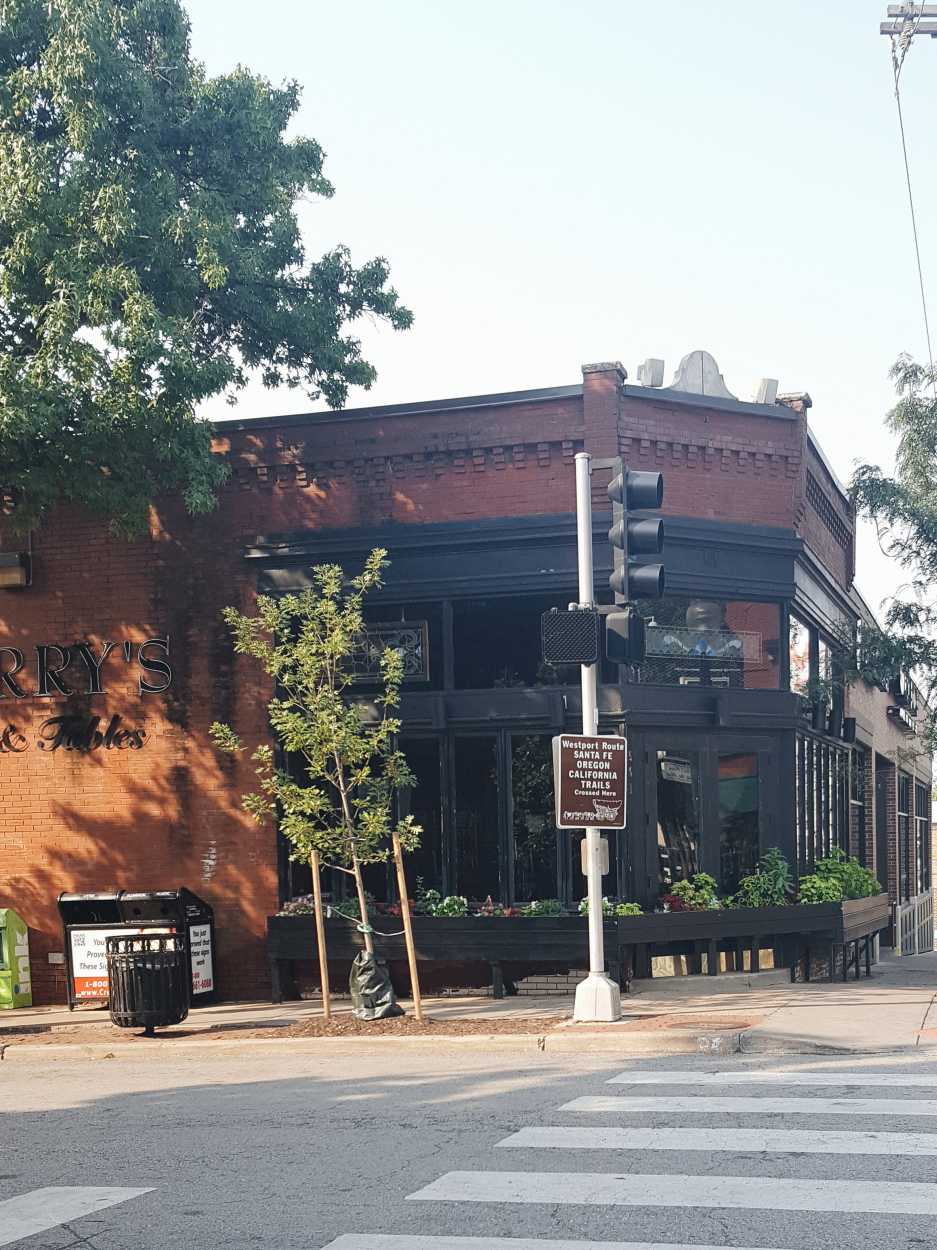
914,925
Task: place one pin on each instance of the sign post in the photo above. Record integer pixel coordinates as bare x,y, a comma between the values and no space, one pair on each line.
597,997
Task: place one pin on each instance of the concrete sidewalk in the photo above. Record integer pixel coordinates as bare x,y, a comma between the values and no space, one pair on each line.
894,1010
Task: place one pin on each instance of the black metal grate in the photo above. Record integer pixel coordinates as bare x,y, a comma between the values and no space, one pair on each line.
570,637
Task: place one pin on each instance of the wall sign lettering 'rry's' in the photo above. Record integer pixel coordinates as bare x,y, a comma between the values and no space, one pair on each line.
58,668
79,669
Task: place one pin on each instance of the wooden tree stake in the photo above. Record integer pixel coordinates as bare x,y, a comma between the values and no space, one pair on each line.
407,929
320,936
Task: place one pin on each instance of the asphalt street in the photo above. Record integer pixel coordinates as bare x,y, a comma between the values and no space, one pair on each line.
451,1148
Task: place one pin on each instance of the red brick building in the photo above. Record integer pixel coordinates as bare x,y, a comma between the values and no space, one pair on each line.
107,775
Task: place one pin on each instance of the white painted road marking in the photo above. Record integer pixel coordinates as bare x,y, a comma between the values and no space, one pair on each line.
382,1241
42,1209
759,1193
624,1104
884,1080
780,1141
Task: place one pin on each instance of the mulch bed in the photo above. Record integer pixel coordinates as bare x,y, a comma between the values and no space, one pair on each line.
345,1025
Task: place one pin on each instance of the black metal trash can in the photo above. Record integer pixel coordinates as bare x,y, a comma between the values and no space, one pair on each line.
148,980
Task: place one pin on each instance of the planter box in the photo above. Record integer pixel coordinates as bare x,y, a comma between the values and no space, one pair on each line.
550,942
799,926
554,943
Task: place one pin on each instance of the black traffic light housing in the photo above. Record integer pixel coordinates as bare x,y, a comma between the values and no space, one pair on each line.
625,639
632,536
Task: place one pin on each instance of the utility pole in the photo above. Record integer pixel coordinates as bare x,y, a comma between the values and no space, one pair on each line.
907,20
597,997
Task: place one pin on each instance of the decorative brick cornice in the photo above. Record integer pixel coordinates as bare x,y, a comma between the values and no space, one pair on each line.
295,474
729,456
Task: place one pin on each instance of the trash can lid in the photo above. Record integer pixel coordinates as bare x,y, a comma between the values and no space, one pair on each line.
92,908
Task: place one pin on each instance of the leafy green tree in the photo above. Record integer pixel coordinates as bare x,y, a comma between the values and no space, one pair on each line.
904,510
338,800
150,257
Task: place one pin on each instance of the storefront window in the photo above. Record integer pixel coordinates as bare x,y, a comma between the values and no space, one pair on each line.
704,642
857,784
905,861
922,825
822,788
476,817
496,642
799,644
678,816
425,864
738,819
535,862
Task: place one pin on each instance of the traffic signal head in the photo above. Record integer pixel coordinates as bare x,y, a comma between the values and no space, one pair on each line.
625,637
636,536
635,489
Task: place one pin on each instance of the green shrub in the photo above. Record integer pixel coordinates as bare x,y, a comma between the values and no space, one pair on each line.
425,901
542,907
453,905
611,907
820,888
856,881
697,894
769,886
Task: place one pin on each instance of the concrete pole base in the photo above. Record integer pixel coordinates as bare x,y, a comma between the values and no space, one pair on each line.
597,998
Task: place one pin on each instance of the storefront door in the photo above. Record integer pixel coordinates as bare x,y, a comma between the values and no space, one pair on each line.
710,807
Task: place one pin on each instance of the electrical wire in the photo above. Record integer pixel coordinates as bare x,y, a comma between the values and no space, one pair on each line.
899,50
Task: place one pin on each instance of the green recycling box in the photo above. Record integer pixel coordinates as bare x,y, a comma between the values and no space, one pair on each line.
15,983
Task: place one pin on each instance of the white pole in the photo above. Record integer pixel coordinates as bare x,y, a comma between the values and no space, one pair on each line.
598,997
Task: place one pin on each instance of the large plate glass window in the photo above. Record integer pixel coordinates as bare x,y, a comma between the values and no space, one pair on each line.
738,818
922,825
679,818
905,860
709,642
534,833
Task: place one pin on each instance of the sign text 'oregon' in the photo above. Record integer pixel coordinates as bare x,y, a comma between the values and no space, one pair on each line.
589,781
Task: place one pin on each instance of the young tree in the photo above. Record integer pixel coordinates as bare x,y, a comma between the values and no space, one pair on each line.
904,509
150,257
338,802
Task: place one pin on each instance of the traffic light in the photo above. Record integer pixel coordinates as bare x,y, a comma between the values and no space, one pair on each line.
636,536
625,639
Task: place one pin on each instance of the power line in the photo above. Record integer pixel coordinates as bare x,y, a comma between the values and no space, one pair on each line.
901,33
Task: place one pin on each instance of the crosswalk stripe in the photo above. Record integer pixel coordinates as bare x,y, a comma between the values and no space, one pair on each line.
42,1209
383,1241
884,1080
721,1192
623,1104
781,1141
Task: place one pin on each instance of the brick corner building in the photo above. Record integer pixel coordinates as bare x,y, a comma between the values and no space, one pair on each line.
115,660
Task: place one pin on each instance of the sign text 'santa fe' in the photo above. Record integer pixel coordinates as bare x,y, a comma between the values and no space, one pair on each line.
589,779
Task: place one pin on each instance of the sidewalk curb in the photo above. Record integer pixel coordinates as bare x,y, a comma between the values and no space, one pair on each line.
623,1045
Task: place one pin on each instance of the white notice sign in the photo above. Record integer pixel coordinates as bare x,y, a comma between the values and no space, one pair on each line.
203,974
89,959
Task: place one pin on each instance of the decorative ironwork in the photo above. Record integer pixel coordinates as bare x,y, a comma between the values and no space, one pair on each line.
410,639
823,507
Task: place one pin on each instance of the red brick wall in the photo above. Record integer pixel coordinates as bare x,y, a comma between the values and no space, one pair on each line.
722,466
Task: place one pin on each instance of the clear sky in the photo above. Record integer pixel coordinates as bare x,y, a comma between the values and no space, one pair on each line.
557,182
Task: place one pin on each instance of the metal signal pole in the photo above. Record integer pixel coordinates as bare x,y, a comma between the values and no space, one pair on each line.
597,997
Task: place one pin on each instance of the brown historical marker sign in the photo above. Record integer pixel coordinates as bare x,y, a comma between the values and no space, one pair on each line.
589,777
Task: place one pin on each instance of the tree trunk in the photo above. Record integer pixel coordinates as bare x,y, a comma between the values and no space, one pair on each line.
320,936
362,904
407,929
